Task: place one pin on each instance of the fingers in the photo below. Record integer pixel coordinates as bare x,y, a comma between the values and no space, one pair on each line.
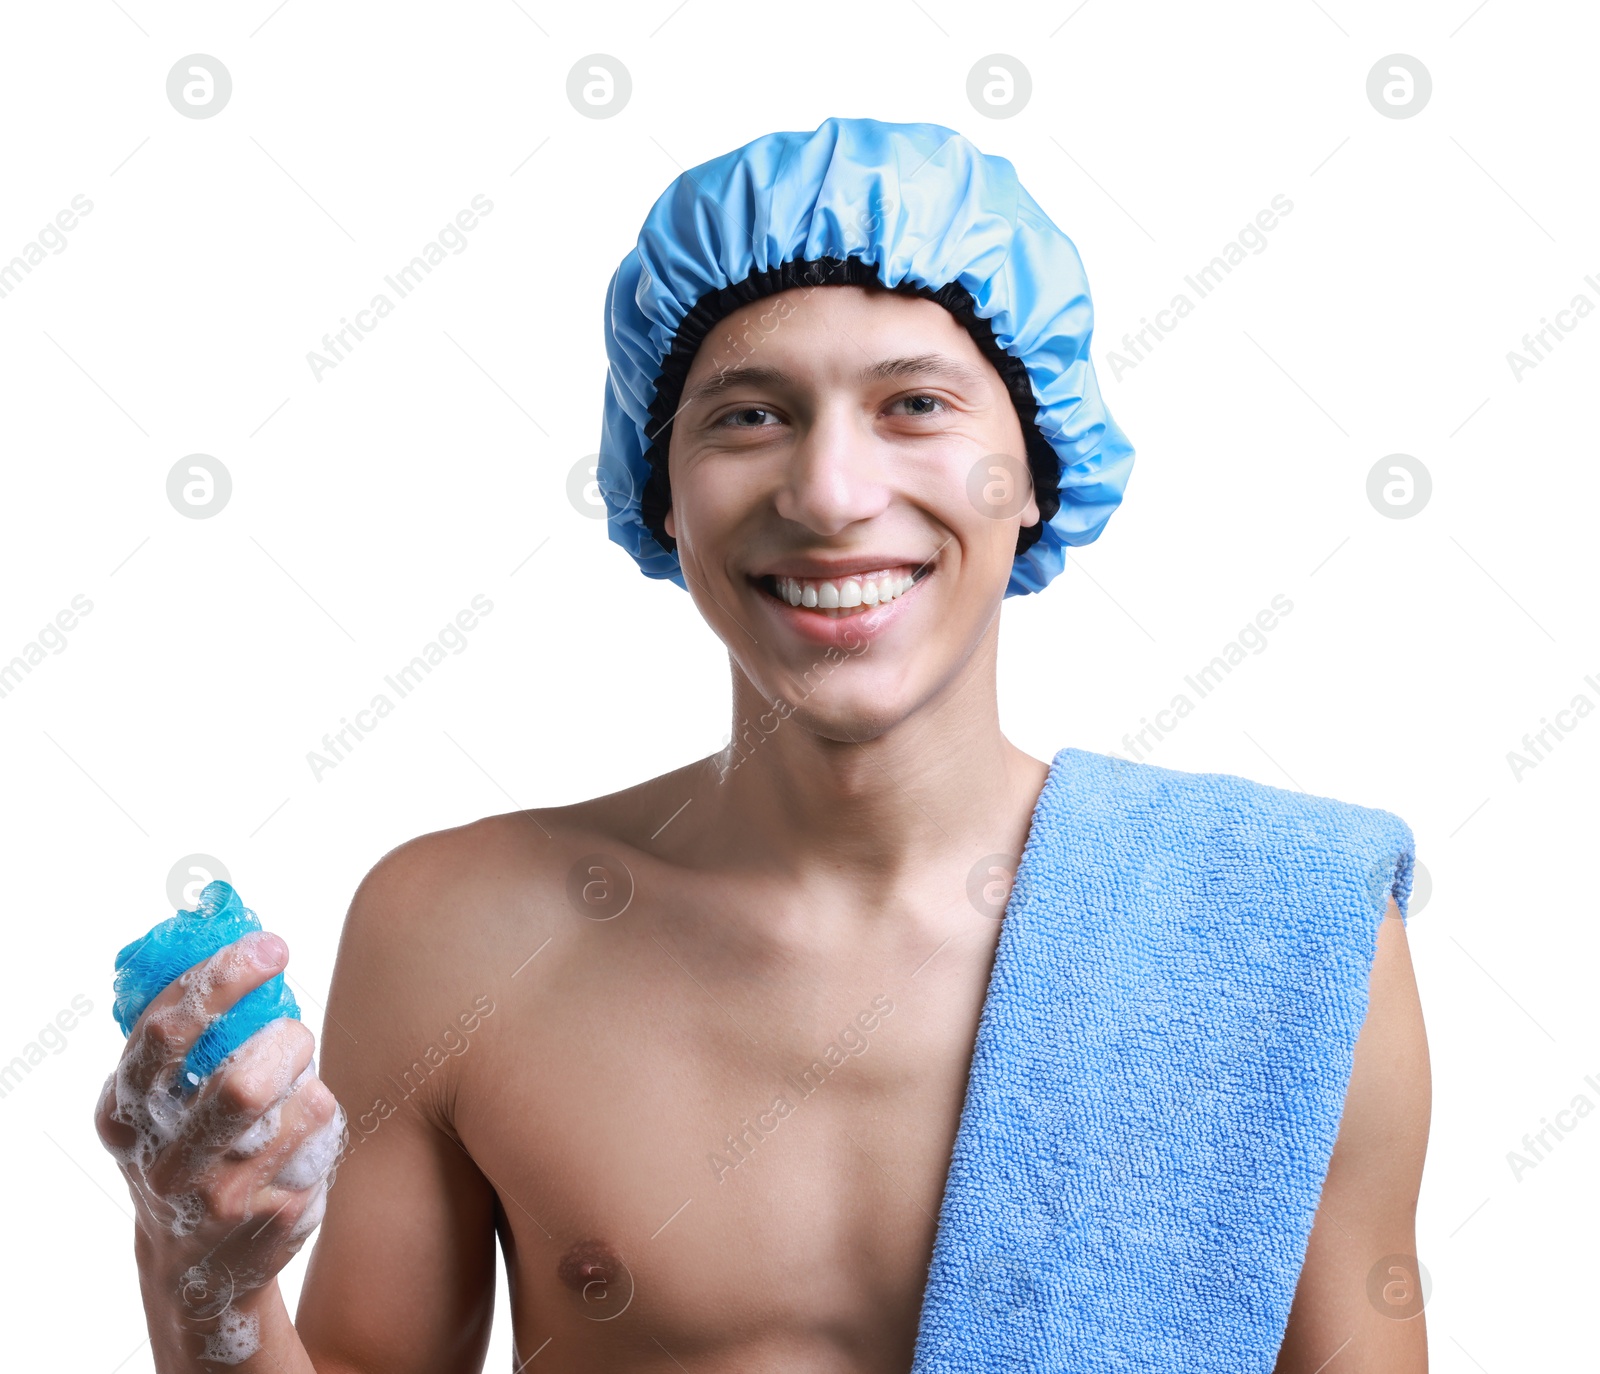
311,1140
246,1161
240,1099
167,1029
117,1136
302,1163
268,1179
277,1196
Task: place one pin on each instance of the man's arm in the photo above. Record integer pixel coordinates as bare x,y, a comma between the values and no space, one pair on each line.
1358,1304
402,1277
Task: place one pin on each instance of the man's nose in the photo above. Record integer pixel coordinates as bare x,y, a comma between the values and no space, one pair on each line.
835,475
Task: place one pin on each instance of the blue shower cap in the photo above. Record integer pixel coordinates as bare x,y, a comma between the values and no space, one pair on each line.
914,207
146,965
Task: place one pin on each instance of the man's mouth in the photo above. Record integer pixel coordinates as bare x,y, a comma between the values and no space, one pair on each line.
841,597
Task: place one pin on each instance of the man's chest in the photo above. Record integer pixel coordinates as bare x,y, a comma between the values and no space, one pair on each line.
725,1160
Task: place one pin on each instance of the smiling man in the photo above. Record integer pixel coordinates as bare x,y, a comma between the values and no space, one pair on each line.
871,1042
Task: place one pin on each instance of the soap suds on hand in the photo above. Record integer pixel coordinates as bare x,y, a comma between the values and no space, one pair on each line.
168,1110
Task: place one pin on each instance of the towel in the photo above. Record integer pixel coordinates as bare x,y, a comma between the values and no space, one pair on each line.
1159,1073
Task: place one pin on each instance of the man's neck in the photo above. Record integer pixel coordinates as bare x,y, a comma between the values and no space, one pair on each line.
873,811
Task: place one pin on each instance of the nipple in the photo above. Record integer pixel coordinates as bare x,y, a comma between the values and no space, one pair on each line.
587,1267
592,1270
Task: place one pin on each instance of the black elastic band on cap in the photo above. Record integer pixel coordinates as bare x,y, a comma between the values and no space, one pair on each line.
717,304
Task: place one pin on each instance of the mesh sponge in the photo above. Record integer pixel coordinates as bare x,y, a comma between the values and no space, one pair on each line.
148,964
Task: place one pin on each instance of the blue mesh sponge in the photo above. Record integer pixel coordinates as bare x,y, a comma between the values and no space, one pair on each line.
155,959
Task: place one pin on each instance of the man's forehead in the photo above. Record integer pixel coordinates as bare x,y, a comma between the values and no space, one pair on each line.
928,366
824,301
846,331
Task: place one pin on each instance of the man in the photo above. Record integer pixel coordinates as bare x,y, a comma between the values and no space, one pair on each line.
699,1053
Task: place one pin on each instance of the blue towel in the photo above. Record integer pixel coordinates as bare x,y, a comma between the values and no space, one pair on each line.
1159,1073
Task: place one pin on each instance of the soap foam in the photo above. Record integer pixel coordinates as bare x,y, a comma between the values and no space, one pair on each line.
158,1118
236,1339
254,1139
315,1156
311,1218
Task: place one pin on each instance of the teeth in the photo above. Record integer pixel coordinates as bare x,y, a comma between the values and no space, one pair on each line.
846,593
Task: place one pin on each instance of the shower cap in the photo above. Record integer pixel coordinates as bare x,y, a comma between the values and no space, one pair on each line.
151,962
912,207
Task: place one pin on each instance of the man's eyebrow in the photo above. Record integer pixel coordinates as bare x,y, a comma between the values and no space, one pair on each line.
887,369
923,365
733,377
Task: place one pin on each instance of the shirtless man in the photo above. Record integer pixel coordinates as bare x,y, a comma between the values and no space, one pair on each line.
569,1027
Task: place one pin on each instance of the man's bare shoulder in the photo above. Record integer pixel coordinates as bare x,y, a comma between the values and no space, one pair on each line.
442,924
487,870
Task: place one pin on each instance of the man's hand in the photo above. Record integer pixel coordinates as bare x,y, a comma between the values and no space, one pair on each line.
229,1181
1359,1302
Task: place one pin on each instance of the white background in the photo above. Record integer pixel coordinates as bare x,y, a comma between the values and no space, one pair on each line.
370,506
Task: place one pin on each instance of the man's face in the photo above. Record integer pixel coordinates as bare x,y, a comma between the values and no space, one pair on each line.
824,435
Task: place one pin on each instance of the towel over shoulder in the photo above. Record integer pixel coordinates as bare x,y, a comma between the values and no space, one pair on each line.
1159,1073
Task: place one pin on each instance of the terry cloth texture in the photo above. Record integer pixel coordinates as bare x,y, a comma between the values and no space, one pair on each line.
913,207
1159,1073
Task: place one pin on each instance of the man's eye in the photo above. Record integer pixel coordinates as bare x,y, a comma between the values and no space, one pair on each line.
921,405
735,419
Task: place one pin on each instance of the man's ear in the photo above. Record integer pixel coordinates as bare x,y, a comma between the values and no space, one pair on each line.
668,522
